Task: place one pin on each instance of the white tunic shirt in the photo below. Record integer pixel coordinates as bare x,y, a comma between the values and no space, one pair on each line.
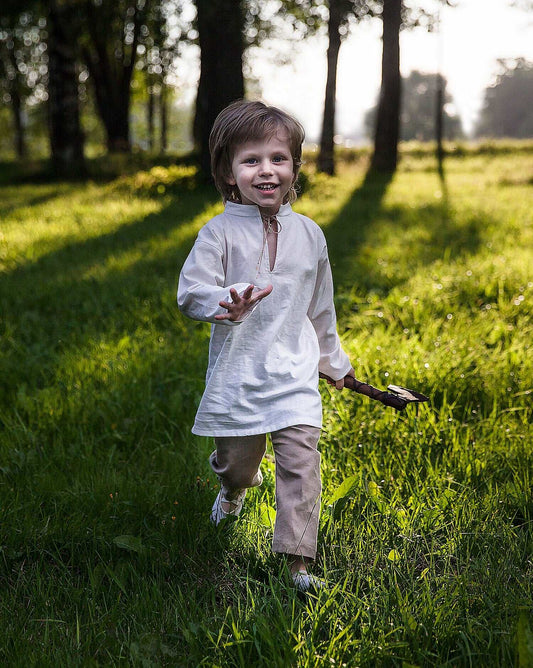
262,373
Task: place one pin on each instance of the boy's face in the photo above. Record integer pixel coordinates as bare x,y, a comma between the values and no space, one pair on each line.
263,172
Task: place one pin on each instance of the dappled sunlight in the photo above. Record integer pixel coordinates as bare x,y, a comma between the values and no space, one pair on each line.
68,219
95,287
420,273
22,196
150,366
150,251
126,238
65,215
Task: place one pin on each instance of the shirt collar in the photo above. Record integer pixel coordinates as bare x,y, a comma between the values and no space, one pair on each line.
252,210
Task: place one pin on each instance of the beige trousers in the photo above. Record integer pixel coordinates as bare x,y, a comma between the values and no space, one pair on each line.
236,462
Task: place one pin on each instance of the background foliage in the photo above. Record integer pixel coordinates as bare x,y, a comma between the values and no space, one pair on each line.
153,41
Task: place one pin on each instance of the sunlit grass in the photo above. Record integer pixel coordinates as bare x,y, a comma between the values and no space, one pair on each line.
106,554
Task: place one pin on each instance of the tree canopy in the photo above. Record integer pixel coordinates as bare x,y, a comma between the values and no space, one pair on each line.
122,57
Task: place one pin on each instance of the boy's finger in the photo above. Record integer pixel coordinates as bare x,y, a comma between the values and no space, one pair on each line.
264,292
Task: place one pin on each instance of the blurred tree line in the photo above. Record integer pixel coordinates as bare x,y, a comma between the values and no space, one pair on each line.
417,115
508,105
65,63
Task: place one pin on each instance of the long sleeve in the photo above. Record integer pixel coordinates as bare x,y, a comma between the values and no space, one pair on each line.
333,360
202,281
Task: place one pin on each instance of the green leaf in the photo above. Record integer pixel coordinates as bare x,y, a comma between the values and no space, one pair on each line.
343,490
131,543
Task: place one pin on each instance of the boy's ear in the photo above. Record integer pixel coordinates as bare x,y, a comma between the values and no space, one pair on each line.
230,179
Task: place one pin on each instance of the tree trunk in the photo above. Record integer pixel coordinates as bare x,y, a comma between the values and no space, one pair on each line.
326,156
150,115
385,157
220,31
14,88
439,122
66,137
16,108
163,113
111,74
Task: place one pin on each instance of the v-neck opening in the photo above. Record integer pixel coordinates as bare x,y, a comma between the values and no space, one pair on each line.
271,242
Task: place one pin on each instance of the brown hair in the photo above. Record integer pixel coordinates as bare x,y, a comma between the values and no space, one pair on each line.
244,121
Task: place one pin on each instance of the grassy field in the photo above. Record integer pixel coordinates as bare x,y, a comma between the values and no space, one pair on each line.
106,554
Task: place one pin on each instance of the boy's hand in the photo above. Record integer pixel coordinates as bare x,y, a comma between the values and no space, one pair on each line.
240,304
339,384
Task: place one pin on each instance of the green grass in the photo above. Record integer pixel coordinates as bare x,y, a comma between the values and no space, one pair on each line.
106,554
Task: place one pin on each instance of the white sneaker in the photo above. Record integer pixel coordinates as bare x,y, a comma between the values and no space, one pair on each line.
218,513
304,582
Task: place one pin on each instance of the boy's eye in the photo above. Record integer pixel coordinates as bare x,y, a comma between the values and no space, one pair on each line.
275,158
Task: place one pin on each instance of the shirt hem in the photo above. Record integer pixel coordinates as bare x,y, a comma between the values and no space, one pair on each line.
266,428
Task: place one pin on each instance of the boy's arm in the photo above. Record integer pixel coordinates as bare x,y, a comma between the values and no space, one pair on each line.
202,294
334,362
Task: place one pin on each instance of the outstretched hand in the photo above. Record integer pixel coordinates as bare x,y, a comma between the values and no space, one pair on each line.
241,304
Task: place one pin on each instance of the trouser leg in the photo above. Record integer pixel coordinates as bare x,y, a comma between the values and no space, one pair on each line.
298,489
237,459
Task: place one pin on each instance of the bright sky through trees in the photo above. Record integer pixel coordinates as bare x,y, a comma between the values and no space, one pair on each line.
473,36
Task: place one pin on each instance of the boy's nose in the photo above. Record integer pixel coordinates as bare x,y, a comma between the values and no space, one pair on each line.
266,167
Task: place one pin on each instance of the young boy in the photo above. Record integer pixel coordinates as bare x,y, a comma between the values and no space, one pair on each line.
260,274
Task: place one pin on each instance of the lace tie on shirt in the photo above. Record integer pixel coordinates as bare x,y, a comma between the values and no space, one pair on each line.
271,229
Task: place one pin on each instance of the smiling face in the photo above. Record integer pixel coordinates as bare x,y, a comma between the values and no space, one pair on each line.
263,171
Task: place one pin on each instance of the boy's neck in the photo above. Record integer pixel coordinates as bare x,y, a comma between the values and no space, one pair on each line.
268,213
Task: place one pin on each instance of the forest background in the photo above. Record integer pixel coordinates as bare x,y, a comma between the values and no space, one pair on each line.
125,77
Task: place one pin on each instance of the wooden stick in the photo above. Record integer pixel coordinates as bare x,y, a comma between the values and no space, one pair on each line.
397,397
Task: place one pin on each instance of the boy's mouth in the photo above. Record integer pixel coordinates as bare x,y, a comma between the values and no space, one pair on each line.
266,187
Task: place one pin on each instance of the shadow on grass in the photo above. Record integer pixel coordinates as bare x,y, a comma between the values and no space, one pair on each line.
22,200
85,415
66,300
425,234
348,231
73,258
82,293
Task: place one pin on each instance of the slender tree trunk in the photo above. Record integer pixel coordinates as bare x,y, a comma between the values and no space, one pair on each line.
220,29
17,103
112,103
66,137
439,122
16,108
163,114
385,157
326,156
150,116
